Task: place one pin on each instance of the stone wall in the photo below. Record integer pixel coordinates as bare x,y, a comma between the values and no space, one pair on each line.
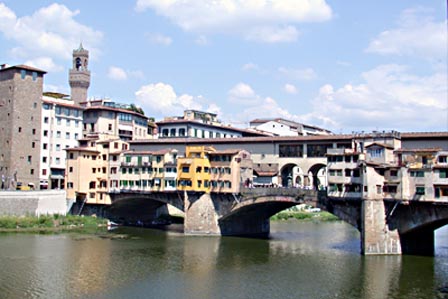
33,202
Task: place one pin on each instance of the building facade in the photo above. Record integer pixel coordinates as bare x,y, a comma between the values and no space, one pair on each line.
104,117
61,129
21,89
378,168
283,127
198,124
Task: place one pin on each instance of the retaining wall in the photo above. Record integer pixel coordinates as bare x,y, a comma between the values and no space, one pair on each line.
35,203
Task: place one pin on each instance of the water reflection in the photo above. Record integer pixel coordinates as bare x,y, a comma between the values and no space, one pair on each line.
305,260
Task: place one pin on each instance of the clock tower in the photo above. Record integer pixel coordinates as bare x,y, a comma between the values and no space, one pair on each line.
79,75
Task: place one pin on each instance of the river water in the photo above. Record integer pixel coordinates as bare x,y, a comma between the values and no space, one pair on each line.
299,260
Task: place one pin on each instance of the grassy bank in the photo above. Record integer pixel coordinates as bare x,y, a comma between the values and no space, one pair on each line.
319,216
51,223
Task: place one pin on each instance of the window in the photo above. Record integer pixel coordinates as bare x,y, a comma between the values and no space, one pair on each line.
44,159
33,131
58,147
290,151
376,153
442,159
70,169
46,120
34,74
33,144
45,146
443,173
94,170
58,134
45,133
182,132
92,185
44,172
165,132
69,185
76,122
67,135
30,159
417,173
58,161
110,127
67,123
32,171
76,136
58,120
185,169
22,74
420,190
173,132
71,156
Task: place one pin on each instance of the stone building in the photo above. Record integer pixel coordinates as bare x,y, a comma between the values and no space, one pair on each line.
79,75
20,125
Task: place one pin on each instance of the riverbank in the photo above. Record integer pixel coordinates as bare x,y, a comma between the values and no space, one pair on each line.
50,223
305,216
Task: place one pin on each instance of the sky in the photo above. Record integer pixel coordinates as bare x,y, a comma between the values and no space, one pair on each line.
343,65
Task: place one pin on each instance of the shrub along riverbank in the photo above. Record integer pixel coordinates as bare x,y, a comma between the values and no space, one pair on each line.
50,223
298,215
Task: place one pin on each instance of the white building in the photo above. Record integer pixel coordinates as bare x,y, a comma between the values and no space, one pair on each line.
283,127
198,124
61,128
104,117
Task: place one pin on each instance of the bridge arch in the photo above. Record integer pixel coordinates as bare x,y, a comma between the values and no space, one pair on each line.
317,175
291,175
145,207
251,217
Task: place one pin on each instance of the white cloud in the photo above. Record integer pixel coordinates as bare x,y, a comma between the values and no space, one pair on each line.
290,88
416,34
261,20
269,34
202,40
243,94
120,74
158,38
117,73
389,98
250,67
161,100
298,74
49,32
45,63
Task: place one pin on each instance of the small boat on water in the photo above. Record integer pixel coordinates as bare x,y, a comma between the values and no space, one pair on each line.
112,225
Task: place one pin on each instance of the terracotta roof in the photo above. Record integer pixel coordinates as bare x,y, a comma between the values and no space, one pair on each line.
23,67
226,152
381,145
410,135
279,139
81,149
114,109
198,123
418,150
60,103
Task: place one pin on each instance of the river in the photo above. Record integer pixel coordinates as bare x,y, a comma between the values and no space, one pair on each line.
299,260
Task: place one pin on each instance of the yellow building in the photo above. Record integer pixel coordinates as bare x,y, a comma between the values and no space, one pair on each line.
93,170
205,169
193,170
148,171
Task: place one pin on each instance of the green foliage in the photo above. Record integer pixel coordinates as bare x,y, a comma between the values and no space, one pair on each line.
134,108
320,216
49,221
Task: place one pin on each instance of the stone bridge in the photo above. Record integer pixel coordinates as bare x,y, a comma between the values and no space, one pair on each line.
386,226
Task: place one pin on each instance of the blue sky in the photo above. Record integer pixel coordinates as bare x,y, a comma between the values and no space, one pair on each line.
345,65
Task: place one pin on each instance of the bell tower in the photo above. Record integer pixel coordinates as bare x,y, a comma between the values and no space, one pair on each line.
79,75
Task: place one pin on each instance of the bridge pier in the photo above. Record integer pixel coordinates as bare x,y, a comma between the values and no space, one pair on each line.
200,215
376,236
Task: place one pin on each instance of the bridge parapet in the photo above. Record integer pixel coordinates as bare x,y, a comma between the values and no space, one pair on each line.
249,193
